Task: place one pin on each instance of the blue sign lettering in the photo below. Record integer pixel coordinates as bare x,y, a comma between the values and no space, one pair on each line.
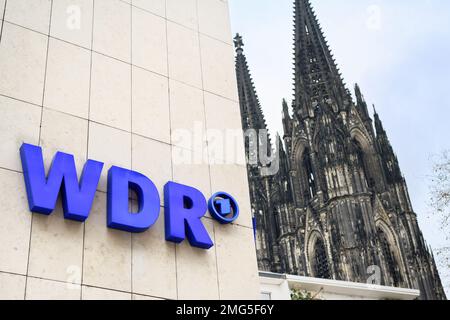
223,207
77,197
119,182
184,206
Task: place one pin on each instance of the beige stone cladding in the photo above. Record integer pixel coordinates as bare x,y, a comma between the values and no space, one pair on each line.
114,81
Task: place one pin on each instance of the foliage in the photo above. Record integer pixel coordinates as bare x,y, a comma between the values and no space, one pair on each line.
443,263
440,188
440,202
298,295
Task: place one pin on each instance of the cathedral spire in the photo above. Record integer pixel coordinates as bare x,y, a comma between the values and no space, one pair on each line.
359,96
361,103
389,158
317,78
330,161
286,118
378,124
238,43
252,115
285,109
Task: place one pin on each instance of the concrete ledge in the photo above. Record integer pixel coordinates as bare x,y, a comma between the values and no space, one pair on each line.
336,290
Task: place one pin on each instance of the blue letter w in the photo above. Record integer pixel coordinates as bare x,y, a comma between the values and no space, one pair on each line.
43,192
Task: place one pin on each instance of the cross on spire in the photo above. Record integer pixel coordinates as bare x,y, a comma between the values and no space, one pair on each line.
238,42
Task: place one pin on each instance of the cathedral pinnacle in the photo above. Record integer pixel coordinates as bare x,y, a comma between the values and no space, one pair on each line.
238,43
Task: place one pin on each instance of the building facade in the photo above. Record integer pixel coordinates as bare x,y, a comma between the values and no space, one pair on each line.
281,287
339,207
115,81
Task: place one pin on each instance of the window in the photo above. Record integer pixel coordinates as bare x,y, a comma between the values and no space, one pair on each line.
321,267
277,223
389,257
311,179
362,161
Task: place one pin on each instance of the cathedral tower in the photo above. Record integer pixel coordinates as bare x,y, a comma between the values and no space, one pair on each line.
339,206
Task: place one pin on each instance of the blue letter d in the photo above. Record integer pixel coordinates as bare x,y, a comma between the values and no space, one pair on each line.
119,217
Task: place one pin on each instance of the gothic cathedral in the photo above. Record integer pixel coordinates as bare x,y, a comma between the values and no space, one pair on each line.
338,207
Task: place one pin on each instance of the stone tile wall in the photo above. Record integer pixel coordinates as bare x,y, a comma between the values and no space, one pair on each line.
116,81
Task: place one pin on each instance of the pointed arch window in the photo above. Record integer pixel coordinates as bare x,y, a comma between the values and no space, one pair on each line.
320,263
362,160
391,262
307,30
277,226
311,179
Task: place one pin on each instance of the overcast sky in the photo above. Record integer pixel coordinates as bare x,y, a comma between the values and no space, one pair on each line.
398,51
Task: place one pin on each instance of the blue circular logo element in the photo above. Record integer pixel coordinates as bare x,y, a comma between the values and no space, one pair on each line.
223,207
